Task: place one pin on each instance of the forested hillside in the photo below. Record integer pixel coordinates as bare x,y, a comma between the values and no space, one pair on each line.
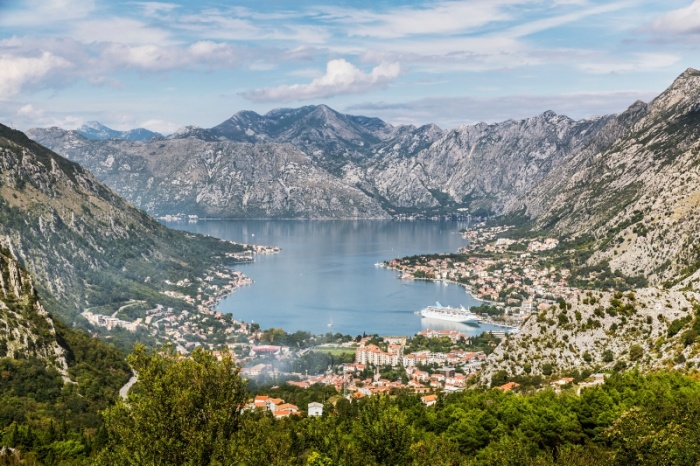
53,380
182,412
85,247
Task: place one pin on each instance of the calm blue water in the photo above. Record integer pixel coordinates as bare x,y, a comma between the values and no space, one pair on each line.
326,274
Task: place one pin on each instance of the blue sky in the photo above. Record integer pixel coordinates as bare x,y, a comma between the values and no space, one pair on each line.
164,65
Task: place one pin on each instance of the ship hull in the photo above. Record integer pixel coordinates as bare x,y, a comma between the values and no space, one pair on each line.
449,314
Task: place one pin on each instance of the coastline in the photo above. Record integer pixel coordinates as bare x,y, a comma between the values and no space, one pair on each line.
468,288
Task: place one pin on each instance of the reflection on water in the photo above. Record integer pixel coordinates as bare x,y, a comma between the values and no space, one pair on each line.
472,328
325,278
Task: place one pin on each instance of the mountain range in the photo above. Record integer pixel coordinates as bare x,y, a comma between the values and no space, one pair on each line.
627,182
95,130
314,162
622,190
635,189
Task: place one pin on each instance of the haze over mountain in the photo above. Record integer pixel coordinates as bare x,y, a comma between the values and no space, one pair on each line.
96,131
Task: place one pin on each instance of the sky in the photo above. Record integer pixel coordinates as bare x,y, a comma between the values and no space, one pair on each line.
165,65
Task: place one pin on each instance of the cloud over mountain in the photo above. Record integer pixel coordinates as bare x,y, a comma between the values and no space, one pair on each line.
341,77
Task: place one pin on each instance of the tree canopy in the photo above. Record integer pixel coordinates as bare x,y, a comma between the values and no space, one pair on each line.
182,410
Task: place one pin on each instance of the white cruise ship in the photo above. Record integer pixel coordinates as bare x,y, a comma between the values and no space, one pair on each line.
449,314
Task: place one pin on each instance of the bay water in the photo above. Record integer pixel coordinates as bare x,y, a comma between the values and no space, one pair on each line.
326,279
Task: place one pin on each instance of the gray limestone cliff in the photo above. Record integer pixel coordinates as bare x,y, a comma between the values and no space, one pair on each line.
314,162
26,329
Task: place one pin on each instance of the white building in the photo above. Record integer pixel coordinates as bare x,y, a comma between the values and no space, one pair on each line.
315,409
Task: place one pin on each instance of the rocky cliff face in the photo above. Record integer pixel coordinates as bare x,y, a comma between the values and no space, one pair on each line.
636,188
26,329
314,162
485,166
599,330
221,179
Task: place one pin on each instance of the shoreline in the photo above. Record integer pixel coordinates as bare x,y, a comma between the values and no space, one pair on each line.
467,287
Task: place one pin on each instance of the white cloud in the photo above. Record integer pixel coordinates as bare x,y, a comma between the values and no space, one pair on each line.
544,24
569,2
454,54
29,116
447,17
639,62
160,126
35,13
17,72
156,58
234,25
341,77
156,8
450,112
119,30
682,21
28,111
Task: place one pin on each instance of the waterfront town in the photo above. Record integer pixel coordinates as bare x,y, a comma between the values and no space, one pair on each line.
507,274
186,317
379,364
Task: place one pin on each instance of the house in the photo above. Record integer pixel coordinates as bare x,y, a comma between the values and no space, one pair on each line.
288,407
284,410
561,382
508,386
372,354
273,403
266,349
428,400
420,390
315,409
399,340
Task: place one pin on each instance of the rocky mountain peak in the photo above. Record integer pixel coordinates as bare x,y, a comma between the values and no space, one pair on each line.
96,131
681,96
193,132
94,125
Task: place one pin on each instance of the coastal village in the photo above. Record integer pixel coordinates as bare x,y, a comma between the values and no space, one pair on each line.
509,278
189,320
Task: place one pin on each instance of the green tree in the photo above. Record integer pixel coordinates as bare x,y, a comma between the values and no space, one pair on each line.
183,410
547,369
383,432
608,356
636,352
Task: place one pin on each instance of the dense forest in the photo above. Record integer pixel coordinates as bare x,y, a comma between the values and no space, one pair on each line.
189,411
51,421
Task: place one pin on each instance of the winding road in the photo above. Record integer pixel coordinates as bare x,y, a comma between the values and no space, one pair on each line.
125,389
